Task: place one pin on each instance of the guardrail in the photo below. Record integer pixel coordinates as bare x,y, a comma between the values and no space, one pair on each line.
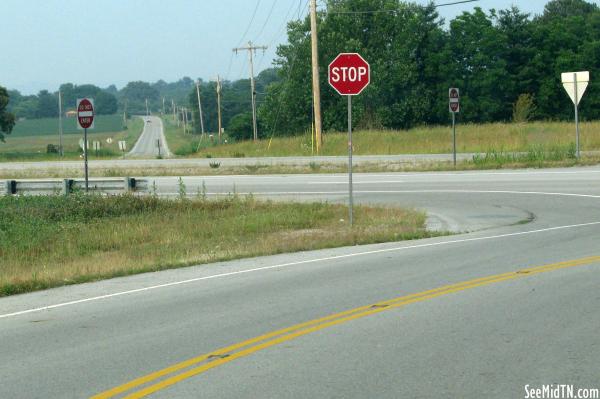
68,186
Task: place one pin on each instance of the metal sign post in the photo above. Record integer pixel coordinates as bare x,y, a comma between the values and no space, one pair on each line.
454,137
454,105
85,159
85,120
576,114
575,84
349,74
351,199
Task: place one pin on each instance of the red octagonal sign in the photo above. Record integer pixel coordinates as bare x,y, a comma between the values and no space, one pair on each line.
349,74
85,112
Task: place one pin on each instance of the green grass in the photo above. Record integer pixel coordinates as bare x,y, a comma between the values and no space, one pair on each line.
26,146
49,126
499,137
52,241
185,145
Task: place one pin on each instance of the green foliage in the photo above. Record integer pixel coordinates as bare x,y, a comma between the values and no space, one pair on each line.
524,108
47,105
7,120
240,126
493,57
235,100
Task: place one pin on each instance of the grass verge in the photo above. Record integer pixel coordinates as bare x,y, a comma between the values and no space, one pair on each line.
490,160
471,138
51,241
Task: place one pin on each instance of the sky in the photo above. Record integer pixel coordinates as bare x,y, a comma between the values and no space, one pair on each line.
44,43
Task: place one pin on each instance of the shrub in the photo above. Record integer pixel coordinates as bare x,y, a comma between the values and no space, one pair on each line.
523,108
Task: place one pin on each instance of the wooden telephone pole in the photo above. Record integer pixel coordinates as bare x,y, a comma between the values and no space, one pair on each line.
251,49
219,106
200,107
315,73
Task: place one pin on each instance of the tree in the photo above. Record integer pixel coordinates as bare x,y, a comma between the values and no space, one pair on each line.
105,103
47,105
240,127
136,94
7,120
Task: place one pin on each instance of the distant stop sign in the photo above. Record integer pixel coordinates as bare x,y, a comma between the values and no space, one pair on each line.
349,74
85,112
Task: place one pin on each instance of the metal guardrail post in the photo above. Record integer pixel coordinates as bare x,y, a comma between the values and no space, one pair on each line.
130,184
67,186
11,187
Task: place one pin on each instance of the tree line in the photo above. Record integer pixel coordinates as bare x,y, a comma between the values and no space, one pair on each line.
496,58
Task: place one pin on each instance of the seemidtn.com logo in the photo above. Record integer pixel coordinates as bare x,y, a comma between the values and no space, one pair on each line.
560,391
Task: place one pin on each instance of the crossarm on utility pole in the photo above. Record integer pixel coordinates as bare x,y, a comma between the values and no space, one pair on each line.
251,49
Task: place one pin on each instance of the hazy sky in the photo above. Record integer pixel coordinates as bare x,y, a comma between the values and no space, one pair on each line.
44,43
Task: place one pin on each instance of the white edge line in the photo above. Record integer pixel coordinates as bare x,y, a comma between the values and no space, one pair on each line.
398,192
283,265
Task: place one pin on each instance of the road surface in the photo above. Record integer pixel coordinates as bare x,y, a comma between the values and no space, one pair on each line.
152,141
462,316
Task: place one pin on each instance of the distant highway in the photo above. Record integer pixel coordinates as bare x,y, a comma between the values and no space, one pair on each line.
512,302
152,141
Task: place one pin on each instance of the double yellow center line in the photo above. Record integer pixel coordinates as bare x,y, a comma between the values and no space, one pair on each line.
178,372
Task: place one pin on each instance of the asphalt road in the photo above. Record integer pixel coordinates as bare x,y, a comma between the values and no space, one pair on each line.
489,334
152,141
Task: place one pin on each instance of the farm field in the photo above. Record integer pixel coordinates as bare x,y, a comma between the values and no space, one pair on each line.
30,138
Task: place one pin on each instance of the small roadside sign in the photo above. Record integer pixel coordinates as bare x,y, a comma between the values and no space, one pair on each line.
454,101
454,97
349,74
123,146
85,121
81,145
575,84
85,113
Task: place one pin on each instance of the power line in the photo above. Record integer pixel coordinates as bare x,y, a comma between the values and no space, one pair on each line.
395,10
284,25
249,24
266,20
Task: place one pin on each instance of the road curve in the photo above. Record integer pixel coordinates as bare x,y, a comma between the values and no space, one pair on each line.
152,142
469,315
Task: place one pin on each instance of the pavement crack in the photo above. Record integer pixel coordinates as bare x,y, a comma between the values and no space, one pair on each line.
377,305
213,357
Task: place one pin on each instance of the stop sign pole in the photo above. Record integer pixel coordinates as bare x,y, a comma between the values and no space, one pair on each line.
85,120
454,100
349,74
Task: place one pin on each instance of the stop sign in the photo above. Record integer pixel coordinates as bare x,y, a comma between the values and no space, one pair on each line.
85,113
349,74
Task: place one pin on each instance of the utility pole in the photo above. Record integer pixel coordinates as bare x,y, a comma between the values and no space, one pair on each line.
200,107
147,112
219,106
251,49
60,125
163,106
125,114
315,72
173,108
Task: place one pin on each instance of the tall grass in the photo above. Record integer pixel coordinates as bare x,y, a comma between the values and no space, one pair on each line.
472,138
51,241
